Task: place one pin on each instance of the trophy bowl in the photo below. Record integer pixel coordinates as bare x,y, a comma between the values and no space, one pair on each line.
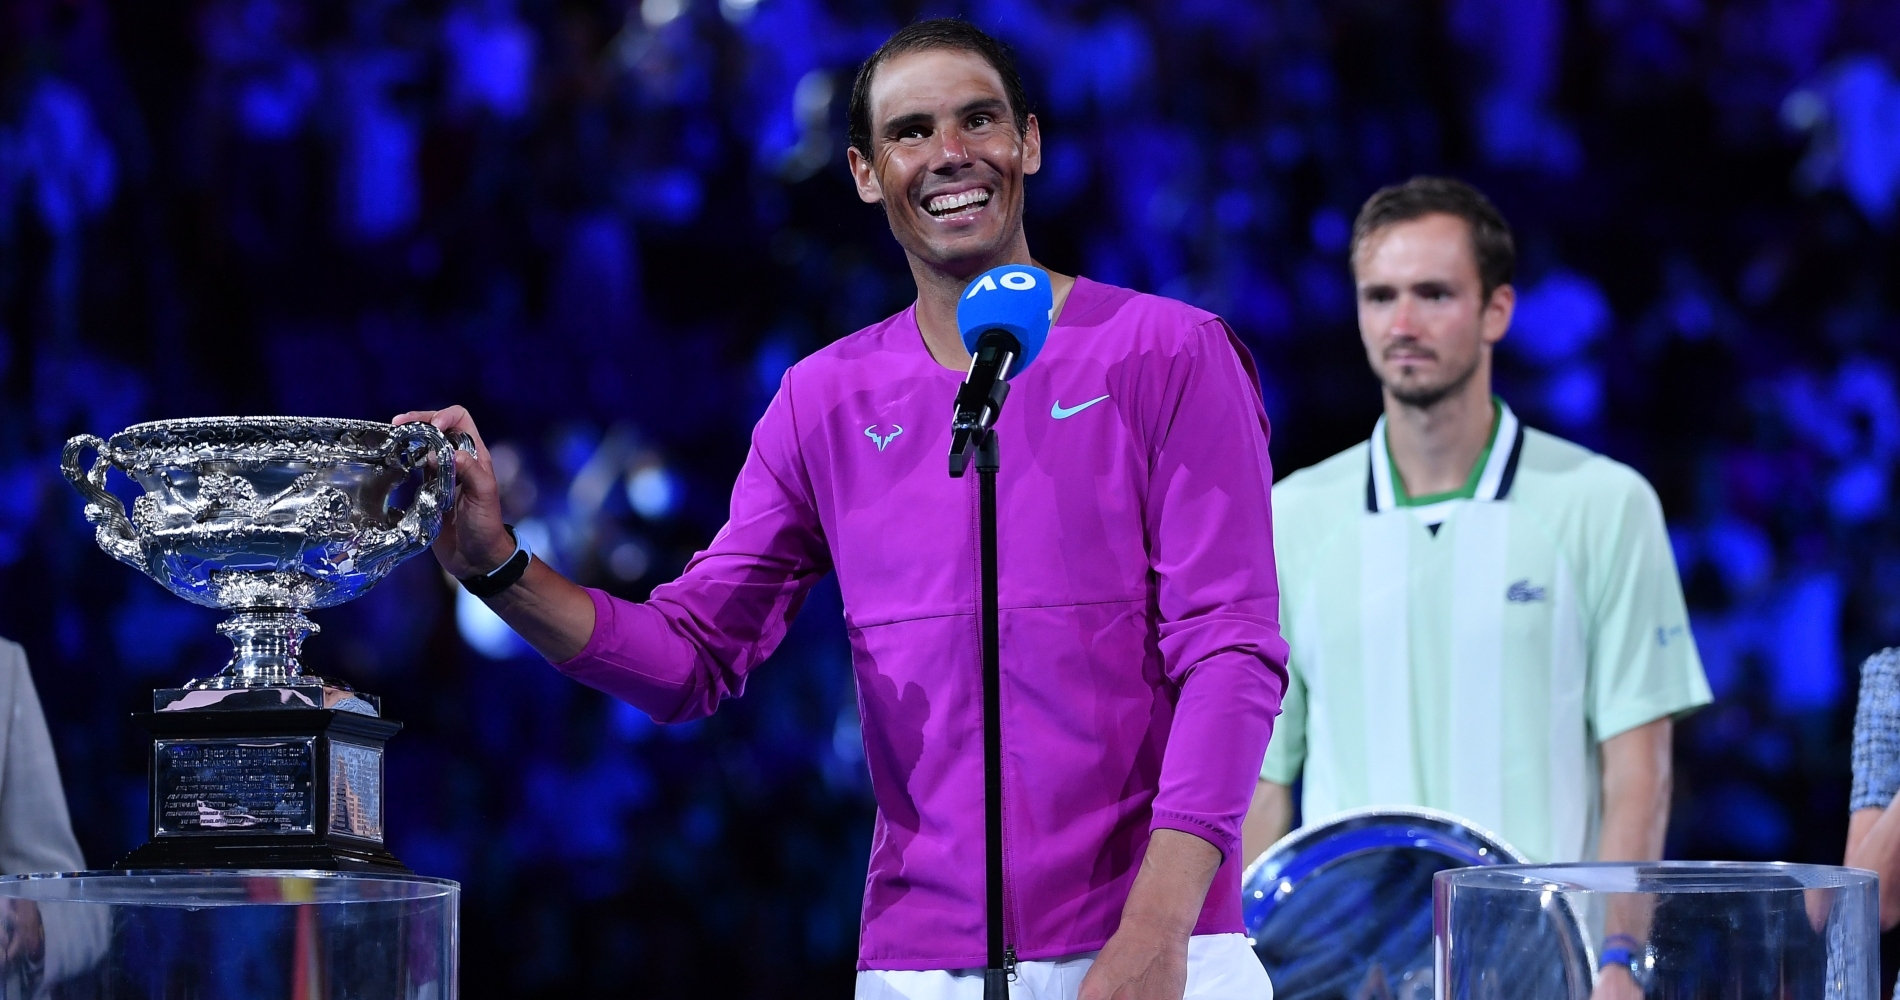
268,517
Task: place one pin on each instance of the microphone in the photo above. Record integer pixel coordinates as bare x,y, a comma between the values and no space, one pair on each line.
1004,318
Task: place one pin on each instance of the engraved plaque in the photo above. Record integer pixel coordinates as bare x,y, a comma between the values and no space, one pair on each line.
257,786
233,786
356,791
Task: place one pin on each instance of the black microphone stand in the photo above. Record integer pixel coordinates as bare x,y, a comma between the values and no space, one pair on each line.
978,405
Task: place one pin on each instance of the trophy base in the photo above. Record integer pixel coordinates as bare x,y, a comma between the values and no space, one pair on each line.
285,786
314,855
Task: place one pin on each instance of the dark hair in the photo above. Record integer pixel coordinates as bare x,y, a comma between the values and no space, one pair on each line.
937,33
1491,242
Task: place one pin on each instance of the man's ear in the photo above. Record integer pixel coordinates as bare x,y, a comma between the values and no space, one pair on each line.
864,175
1032,146
1496,321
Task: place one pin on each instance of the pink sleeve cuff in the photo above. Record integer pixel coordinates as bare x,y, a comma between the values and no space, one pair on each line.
603,626
1224,841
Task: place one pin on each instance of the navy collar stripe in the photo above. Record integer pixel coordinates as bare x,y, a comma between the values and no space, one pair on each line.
1494,483
1372,493
1510,466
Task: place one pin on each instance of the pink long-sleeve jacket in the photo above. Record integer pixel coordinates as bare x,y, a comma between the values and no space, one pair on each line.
1142,664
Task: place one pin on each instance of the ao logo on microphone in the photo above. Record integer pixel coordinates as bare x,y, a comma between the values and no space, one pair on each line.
1015,281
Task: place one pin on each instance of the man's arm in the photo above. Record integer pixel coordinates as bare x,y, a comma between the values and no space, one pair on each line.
36,831
554,614
1268,819
1873,843
1210,529
1873,827
1644,672
36,835
1157,921
692,643
1636,783
1270,816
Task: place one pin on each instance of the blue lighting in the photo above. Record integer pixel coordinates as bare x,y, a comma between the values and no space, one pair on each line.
484,631
652,492
610,229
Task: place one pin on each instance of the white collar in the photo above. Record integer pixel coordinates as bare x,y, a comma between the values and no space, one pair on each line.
1494,483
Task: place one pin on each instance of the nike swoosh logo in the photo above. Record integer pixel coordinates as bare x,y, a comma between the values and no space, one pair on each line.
1056,410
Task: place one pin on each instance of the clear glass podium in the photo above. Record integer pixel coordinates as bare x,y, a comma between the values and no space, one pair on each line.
1682,930
225,935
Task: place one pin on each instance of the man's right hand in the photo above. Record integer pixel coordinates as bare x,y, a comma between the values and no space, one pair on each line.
473,540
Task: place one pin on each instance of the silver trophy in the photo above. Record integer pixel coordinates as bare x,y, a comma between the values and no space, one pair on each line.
267,517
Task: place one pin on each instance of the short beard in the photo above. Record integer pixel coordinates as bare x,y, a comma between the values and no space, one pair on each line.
1428,396
963,266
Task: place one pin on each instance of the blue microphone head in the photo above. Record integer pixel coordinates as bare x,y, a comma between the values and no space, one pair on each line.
1015,298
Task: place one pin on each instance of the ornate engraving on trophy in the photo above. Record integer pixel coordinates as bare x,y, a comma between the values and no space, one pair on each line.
356,791
268,517
227,786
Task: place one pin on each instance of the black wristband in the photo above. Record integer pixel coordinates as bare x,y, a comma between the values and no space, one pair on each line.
489,584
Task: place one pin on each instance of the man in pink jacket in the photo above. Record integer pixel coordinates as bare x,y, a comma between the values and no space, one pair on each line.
1142,663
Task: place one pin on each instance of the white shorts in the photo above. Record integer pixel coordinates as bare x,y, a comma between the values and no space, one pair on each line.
1220,967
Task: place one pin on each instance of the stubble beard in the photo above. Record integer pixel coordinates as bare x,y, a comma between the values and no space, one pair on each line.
964,262
1427,396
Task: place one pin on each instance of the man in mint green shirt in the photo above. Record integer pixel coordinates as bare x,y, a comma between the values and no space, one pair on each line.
1484,618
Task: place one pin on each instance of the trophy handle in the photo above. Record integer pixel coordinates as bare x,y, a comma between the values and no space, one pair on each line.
114,532
423,520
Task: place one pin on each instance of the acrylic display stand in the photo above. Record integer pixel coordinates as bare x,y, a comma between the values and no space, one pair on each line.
1678,930
226,935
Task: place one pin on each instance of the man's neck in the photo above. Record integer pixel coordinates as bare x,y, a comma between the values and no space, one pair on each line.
938,293
1436,448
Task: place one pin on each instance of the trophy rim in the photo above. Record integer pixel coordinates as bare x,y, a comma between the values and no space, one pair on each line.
159,443
261,422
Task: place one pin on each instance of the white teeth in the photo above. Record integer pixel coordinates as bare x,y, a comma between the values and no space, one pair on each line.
944,204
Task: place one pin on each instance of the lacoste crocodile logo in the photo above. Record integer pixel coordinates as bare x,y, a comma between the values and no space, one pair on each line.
1522,592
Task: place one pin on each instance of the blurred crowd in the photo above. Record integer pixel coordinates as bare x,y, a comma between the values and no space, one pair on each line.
608,228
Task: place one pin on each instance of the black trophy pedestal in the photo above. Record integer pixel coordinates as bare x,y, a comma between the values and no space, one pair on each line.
265,778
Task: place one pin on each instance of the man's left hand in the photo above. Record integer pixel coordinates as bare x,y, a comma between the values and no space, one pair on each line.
1141,961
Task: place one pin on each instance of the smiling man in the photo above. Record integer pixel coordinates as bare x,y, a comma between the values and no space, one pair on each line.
1484,618
1141,658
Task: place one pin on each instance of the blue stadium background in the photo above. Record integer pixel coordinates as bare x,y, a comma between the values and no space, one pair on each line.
608,228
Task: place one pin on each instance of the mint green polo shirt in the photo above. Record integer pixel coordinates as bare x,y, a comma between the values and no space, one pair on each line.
1469,653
